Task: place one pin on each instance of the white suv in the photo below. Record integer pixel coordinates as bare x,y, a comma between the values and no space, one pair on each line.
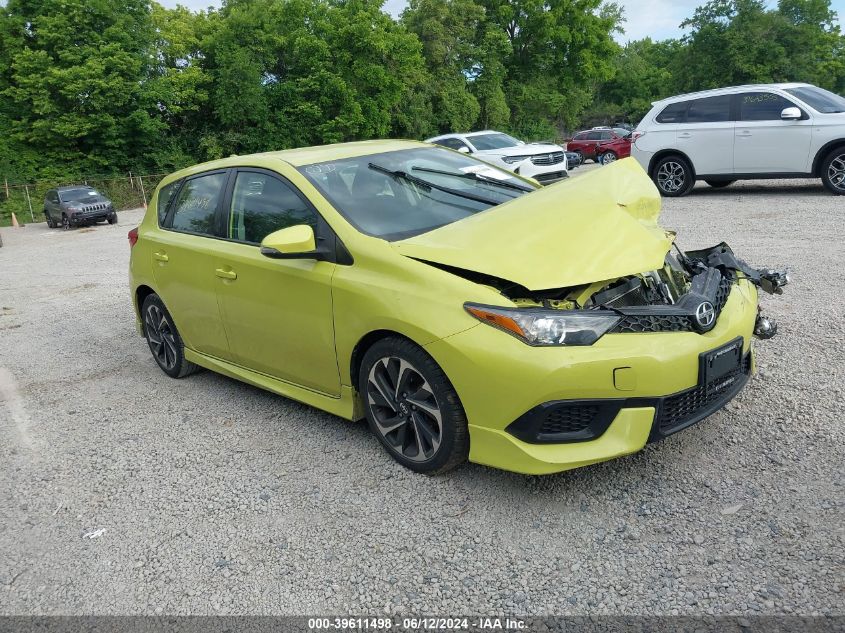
746,132
544,162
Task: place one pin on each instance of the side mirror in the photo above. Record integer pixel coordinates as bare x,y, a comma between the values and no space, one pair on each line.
790,114
294,242
464,150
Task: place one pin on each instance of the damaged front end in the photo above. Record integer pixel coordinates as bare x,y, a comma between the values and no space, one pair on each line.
686,295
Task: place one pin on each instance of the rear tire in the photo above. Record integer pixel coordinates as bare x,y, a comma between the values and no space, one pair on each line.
673,176
833,171
718,184
412,408
164,340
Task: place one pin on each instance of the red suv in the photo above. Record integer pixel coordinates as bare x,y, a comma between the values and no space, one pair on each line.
602,145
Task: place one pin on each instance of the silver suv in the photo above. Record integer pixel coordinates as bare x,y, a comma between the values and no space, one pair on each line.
745,132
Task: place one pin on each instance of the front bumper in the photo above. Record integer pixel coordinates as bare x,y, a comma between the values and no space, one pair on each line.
81,217
641,375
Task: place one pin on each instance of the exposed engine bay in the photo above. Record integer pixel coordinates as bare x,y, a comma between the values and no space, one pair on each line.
687,294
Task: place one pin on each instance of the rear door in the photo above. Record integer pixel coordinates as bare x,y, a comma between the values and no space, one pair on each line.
183,263
706,135
277,312
766,144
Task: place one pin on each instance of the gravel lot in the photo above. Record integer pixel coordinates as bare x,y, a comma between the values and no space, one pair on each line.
124,491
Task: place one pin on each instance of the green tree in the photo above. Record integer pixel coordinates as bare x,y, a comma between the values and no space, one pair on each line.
73,78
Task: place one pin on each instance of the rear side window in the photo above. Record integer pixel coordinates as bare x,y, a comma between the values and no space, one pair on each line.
451,143
197,204
710,110
262,204
673,113
165,194
580,137
762,106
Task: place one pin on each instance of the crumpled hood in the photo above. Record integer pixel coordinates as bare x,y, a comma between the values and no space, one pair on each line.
596,227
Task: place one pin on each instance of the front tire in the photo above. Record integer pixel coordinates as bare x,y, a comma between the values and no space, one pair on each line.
50,223
673,176
833,171
718,184
412,408
112,219
606,158
65,222
163,338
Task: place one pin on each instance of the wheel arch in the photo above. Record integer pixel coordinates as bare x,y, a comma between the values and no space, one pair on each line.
823,152
141,293
366,342
669,152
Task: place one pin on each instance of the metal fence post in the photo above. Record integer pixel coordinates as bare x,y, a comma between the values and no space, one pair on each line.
143,193
29,202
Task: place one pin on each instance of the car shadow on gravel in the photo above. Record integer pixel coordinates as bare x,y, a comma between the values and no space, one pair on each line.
808,188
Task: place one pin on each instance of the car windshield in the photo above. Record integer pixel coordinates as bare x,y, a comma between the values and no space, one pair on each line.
395,195
78,195
496,140
819,99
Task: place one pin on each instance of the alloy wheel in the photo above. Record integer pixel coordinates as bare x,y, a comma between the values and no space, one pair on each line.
836,172
607,158
671,176
160,337
405,409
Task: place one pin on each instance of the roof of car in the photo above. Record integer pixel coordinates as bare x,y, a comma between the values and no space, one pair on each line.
731,89
70,187
305,155
463,135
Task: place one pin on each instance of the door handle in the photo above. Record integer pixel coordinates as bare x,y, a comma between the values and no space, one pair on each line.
226,274
684,135
162,257
744,133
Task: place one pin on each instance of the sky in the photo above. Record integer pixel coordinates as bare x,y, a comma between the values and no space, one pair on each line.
658,19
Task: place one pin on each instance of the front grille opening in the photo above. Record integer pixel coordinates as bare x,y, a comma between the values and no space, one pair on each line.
679,410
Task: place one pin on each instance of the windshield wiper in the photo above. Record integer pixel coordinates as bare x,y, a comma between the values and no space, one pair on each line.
471,175
397,173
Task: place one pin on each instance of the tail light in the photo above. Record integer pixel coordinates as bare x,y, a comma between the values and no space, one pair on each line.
635,135
133,237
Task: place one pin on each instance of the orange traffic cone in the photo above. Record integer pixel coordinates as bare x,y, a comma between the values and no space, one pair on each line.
15,222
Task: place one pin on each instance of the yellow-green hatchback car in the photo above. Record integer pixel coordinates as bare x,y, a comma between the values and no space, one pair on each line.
465,311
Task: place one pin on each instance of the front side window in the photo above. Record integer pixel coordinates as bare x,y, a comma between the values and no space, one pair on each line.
606,135
164,196
197,204
262,204
594,136
819,99
395,195
710,110
483,142
762,106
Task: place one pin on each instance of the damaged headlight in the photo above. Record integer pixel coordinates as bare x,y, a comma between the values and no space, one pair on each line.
539,327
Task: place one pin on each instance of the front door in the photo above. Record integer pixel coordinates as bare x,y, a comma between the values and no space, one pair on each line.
183,263
765,144
278,313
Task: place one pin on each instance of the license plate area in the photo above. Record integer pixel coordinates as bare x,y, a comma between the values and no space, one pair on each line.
719,364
